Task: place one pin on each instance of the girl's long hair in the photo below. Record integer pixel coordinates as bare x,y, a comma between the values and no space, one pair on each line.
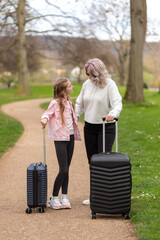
59,91
98,72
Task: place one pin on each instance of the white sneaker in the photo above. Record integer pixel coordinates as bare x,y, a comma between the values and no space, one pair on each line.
54,203
65,202
86,202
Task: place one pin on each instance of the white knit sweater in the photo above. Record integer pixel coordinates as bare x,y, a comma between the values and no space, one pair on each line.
96,102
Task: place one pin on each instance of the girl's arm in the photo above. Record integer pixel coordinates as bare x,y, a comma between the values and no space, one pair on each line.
48,113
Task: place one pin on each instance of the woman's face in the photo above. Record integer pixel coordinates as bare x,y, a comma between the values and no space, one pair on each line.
88,72
91,75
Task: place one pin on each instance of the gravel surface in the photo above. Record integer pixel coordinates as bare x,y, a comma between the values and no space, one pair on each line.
71,224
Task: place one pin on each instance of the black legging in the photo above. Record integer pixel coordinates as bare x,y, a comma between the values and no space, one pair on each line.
94,139
64,151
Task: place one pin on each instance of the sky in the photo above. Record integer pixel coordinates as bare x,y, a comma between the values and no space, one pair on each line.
153,11
153,6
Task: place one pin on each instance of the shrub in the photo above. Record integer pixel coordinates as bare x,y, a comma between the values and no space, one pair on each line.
8,78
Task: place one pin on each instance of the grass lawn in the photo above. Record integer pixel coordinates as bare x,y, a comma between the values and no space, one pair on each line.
139,137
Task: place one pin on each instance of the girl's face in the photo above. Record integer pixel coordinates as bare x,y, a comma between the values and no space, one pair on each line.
69,88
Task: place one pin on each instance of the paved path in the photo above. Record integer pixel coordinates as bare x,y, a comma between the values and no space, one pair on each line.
74,224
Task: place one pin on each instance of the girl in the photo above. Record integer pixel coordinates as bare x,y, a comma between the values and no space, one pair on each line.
99,97
63,130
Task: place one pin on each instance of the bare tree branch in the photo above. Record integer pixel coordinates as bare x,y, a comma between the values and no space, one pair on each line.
47,31
53,5
51,15
11,3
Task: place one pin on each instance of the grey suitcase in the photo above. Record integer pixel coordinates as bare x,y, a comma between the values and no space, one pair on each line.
110,182
37,184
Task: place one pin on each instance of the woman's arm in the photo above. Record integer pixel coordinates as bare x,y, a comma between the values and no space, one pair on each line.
79,107
115,101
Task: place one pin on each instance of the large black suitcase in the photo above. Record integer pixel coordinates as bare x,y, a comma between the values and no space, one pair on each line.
110,182
37,184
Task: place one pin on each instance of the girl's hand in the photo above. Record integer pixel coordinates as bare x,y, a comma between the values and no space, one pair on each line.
44,122
109,118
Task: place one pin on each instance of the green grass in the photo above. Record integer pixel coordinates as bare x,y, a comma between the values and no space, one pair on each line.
139,137
10,131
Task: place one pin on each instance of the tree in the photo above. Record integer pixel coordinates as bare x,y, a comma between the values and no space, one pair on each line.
112,18
23,86
8,57
134,92
13,29
7,78
19,16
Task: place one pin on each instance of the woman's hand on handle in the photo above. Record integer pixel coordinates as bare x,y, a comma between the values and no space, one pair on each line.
109,118
44,122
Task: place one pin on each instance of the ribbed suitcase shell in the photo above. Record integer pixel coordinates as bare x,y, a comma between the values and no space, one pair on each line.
36,185
110,184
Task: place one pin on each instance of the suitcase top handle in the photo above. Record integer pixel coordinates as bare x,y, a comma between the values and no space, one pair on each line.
116,120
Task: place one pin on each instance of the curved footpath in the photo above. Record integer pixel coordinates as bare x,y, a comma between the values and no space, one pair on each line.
74,224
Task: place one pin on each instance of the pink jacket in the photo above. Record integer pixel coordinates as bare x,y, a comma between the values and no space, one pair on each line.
57,132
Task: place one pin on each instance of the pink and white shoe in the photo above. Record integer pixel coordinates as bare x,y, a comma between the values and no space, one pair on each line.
65,202
54,203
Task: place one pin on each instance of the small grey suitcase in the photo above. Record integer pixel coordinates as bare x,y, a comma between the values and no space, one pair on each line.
110,182
37,184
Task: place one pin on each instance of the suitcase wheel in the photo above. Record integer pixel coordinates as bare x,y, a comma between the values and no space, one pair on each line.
126,216
41,210
93,215
28,210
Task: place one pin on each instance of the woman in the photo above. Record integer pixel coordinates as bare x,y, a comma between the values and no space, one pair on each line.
99,97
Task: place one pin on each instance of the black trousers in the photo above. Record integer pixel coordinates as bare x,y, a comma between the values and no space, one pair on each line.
94,138
64,151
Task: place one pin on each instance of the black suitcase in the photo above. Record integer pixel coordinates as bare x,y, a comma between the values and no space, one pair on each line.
37,184
110,182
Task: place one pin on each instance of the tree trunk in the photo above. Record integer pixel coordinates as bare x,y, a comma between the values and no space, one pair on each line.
134,91
23,86
122,52
121,71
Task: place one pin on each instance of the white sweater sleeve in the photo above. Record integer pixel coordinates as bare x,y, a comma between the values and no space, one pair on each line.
79,107
115,101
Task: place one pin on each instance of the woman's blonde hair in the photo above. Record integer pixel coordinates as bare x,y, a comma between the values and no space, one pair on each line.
59,91
97,72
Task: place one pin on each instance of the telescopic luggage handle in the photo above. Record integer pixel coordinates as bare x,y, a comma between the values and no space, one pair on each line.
116,121
44,148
